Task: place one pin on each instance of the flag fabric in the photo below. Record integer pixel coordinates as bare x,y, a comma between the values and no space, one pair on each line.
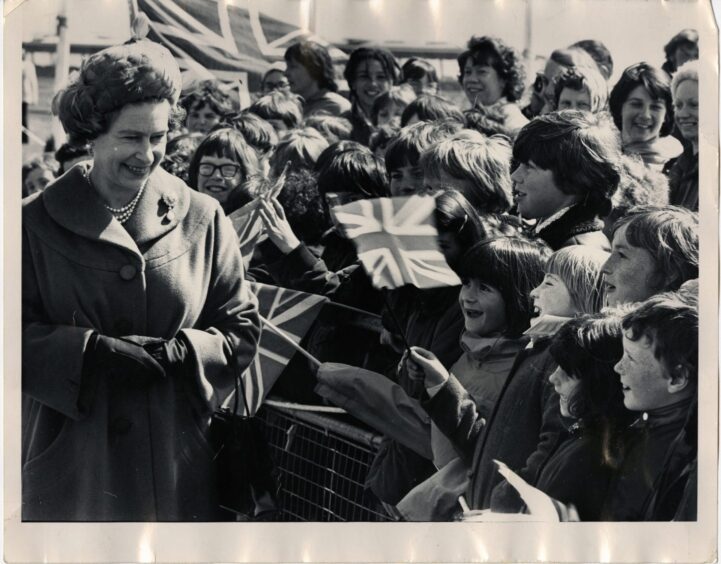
249,227
396,241
293,313
219,38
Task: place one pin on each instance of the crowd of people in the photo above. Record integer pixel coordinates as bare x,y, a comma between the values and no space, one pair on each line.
568,208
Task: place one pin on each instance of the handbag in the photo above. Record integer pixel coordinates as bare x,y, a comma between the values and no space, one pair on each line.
247,477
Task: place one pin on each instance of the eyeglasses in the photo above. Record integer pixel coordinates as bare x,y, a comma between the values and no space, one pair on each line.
539,85
226,170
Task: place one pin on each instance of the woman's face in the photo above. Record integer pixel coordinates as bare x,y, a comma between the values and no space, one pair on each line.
299,79
201,119
217,176
685,103
481,83
565,386
370,81
641,116
132,148
571,99
484,309
551,297
275,80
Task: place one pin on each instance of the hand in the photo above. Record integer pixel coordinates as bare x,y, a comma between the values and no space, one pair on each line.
276,225
425,362
128,358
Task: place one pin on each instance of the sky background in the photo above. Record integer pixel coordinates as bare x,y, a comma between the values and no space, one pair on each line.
633,30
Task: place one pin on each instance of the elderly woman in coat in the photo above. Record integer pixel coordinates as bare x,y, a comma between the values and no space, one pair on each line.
135,313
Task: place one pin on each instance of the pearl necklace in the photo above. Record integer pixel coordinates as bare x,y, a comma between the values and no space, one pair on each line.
123,213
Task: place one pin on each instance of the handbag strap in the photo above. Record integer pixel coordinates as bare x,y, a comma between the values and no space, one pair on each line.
238,385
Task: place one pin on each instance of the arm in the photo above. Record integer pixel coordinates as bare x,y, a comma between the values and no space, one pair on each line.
228,325
49,345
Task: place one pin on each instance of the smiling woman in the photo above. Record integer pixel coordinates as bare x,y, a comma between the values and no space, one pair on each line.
135,312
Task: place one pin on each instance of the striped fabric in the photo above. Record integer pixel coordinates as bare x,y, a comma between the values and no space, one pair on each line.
219,39
396,241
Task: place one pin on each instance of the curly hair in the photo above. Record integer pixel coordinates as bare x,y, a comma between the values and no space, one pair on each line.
207,93
303,205
316,59
505,60
685,37
132,73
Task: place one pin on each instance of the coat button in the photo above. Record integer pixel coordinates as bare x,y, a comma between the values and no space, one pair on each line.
120,426
128,272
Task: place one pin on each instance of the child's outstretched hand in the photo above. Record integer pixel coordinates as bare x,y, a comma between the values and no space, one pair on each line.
425,362
277,226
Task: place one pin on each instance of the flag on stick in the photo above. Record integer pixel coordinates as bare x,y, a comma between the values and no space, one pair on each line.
290,312
396,241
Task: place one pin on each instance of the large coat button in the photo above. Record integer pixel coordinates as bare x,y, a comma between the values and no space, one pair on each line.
128,272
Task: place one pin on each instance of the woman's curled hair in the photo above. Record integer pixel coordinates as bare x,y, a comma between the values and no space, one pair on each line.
505,60
115,77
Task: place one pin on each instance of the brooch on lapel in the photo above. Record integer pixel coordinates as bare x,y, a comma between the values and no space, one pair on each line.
169,201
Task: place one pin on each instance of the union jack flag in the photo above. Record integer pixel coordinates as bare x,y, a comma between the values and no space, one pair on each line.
396,241
293,313
221,38
249,227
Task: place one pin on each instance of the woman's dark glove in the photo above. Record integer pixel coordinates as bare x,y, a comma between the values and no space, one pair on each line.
123,357
170,354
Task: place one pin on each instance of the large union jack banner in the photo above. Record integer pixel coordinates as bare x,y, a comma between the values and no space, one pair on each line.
222,38
396,241
293,313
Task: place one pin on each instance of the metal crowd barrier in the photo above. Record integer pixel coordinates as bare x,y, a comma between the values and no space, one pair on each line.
323,463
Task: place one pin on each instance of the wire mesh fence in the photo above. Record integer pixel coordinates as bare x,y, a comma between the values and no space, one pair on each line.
323,465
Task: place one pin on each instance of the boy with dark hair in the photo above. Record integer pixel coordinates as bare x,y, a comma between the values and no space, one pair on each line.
567,171
659,376
404,152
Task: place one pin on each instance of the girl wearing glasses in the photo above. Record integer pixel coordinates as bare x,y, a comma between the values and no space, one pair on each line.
221,163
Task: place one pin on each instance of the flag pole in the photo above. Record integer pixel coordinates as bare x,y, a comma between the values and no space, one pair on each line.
283,335
396,322
62,66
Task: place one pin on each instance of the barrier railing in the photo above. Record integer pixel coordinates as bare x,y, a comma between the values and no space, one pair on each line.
323,463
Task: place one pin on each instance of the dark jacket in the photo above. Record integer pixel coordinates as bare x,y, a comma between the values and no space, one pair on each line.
362,128
682,175
580,468
519,431
646,444
578,226
674,493
137,454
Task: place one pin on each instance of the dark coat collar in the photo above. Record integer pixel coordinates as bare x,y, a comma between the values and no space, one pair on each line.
74,205
576,221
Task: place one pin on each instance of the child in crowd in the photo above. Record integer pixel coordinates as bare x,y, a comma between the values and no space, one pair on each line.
389,106
37,174
298,149
221,163
333,128
655,249
179,152
498,275
429,107
258,133
659,376
566,174
581,89
420,75
404,152
580,468
205,105
475,165
381,138
282,110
